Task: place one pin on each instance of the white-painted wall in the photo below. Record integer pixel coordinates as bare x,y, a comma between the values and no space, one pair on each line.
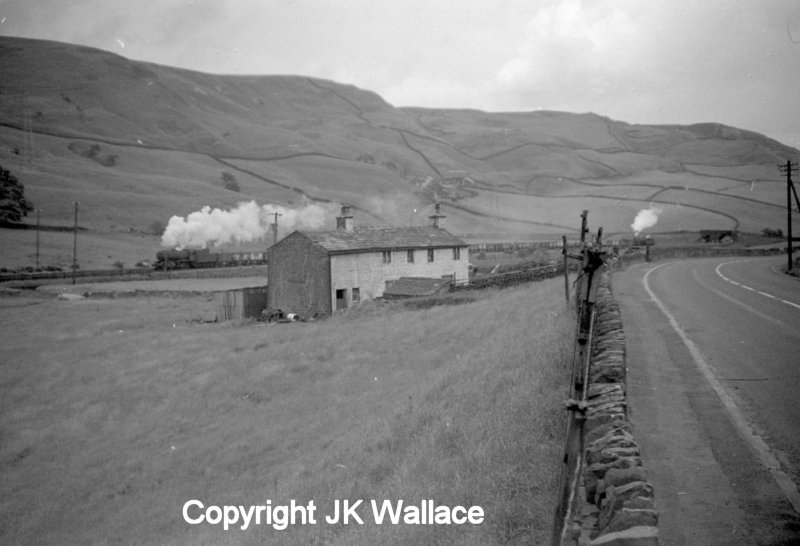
368,272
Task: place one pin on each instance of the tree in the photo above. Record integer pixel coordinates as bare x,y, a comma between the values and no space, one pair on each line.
229,181
156,228
13,205
772,232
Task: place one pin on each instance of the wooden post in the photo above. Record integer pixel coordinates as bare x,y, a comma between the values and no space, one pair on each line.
584,261
566,266
574,444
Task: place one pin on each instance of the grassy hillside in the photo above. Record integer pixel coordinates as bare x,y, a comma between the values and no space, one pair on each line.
115,412
136,143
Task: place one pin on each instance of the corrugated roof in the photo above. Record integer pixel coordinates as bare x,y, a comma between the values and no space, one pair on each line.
362,239
414,286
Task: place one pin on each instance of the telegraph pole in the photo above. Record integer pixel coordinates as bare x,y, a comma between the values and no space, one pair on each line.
566,266
37,238
788,169
275,228
75,245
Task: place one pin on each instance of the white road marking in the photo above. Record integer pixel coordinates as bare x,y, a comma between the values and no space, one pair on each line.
723,277
791,329
759,446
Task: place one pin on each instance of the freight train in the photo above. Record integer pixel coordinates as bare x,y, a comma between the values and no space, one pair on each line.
520,245
193,258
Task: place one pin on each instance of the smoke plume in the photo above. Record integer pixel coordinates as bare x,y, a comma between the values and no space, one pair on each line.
646,218
246,223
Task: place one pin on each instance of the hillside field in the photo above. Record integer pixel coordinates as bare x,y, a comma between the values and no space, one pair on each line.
115,412
136,143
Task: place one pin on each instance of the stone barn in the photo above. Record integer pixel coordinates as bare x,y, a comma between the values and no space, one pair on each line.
319,272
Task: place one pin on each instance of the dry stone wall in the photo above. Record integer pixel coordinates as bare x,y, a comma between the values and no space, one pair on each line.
619,501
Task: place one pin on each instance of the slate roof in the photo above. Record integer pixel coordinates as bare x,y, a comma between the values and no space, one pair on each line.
410,287
363,239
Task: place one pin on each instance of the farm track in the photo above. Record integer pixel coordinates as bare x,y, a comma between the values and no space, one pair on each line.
519,147
596,162
511,220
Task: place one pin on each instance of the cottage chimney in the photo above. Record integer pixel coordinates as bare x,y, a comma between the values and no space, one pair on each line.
437,220
345,221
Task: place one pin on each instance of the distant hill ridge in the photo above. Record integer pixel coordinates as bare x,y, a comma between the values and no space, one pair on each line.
137,142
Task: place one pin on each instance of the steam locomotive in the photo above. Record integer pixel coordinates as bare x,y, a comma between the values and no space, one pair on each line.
198,258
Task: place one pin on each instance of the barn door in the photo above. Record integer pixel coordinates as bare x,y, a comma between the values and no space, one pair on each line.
341,299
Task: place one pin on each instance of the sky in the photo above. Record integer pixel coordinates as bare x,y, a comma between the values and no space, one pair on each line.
735,62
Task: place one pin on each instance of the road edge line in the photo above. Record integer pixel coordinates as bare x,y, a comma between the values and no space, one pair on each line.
759,446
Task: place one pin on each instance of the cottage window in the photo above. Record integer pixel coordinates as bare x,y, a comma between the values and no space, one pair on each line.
387,256
456,253
430,254
356,295
410,257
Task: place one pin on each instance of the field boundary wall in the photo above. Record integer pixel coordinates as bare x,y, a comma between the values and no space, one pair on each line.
618,500
667,253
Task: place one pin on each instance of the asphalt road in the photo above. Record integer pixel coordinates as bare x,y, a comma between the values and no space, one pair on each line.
713,356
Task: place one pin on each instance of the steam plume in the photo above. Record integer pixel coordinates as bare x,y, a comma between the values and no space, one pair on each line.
646,218
246,223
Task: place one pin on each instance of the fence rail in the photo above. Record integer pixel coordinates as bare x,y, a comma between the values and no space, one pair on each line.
591,258
511,278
